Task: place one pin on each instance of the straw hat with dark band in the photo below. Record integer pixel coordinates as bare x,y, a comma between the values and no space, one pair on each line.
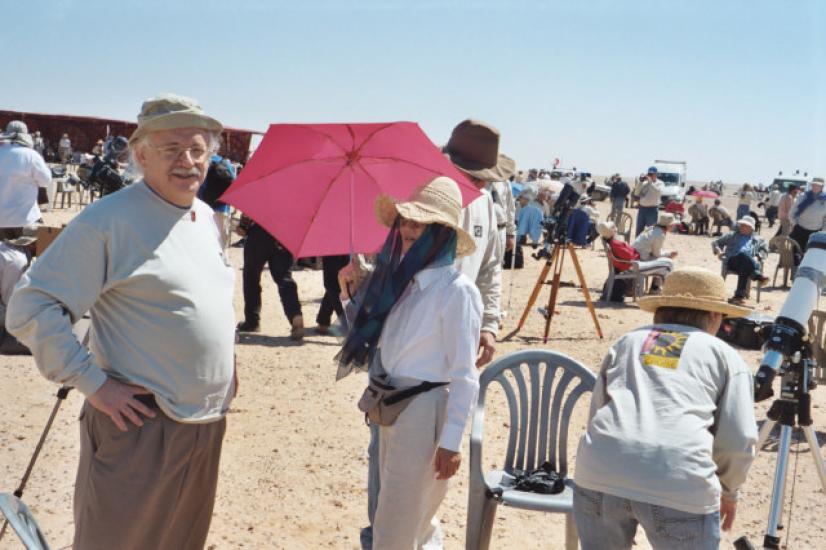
694,288
170,112
440,201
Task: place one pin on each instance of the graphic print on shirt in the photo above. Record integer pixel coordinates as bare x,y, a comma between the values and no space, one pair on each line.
662,348
477,230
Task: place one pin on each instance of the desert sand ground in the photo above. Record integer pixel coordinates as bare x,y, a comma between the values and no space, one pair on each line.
294,463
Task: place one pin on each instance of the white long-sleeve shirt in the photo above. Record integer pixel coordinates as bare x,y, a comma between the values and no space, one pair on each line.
22,172
671,421
432,334
650,193
484,266
158,289
813,218
650,244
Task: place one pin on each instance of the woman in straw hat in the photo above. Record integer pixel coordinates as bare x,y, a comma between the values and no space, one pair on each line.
671,431
417,320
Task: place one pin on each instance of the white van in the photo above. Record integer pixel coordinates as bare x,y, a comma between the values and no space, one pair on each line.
673,175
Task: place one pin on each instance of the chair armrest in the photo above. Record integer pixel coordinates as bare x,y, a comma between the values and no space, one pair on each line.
476,432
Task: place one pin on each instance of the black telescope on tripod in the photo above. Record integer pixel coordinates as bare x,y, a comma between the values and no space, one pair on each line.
556,224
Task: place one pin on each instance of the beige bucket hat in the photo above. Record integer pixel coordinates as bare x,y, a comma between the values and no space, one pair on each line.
439,201
694,288
665,219
170,112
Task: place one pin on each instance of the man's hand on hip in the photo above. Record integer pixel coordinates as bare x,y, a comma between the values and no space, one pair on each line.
487,347
117,400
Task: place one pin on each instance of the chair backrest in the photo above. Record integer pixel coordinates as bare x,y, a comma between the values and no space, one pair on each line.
786,249
541,387
610,256
22,522
817,322
623,223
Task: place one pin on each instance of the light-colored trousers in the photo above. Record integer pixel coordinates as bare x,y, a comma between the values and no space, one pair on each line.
410,494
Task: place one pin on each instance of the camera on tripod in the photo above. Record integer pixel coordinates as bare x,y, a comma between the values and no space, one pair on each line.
101,175
556,224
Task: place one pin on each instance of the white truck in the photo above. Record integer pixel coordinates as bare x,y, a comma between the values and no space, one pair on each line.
673,175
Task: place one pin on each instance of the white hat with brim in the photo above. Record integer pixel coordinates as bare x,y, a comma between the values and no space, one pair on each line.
747,221
694,288
665,219
171,112
439,201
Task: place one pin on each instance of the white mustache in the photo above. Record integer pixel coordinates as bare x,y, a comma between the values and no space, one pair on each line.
191,173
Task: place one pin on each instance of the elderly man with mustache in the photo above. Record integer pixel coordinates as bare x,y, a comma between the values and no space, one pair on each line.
158,374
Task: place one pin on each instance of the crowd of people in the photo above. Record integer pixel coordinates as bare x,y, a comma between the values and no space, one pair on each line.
158,372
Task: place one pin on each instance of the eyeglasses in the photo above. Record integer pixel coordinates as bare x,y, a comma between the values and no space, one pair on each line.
173,152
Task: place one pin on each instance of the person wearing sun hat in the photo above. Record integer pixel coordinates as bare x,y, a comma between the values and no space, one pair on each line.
424,315
671,431
158,373
24,179
741,252
473,148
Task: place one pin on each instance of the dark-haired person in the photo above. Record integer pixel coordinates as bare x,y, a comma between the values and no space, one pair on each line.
671,432
416,320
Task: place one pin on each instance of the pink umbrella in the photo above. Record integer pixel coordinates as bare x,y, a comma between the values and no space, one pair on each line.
312,186
705,194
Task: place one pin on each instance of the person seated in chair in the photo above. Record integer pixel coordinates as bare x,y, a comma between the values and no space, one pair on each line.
741,252
13,263
650,244
699,215
721,217
624,254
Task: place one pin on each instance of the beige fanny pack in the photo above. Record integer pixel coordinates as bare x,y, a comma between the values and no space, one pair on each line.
382,403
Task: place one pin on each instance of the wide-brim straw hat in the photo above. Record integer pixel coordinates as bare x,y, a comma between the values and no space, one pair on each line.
694,288
171,112
439,201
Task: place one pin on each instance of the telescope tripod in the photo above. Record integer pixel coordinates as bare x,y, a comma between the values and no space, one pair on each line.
793,408
554,261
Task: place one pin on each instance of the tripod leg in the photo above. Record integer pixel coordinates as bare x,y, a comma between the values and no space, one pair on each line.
534,294
818,458
765,430
559,258
585,291
771,539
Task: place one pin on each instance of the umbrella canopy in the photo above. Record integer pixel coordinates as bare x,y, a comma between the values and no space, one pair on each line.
313,186
705,194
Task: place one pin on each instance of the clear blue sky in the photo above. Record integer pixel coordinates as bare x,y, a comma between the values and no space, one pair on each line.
736,88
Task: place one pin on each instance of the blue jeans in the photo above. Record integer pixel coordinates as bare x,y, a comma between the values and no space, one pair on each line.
646,215
606,522
743,210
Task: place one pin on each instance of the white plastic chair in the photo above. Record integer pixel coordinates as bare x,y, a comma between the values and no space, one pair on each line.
538,433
